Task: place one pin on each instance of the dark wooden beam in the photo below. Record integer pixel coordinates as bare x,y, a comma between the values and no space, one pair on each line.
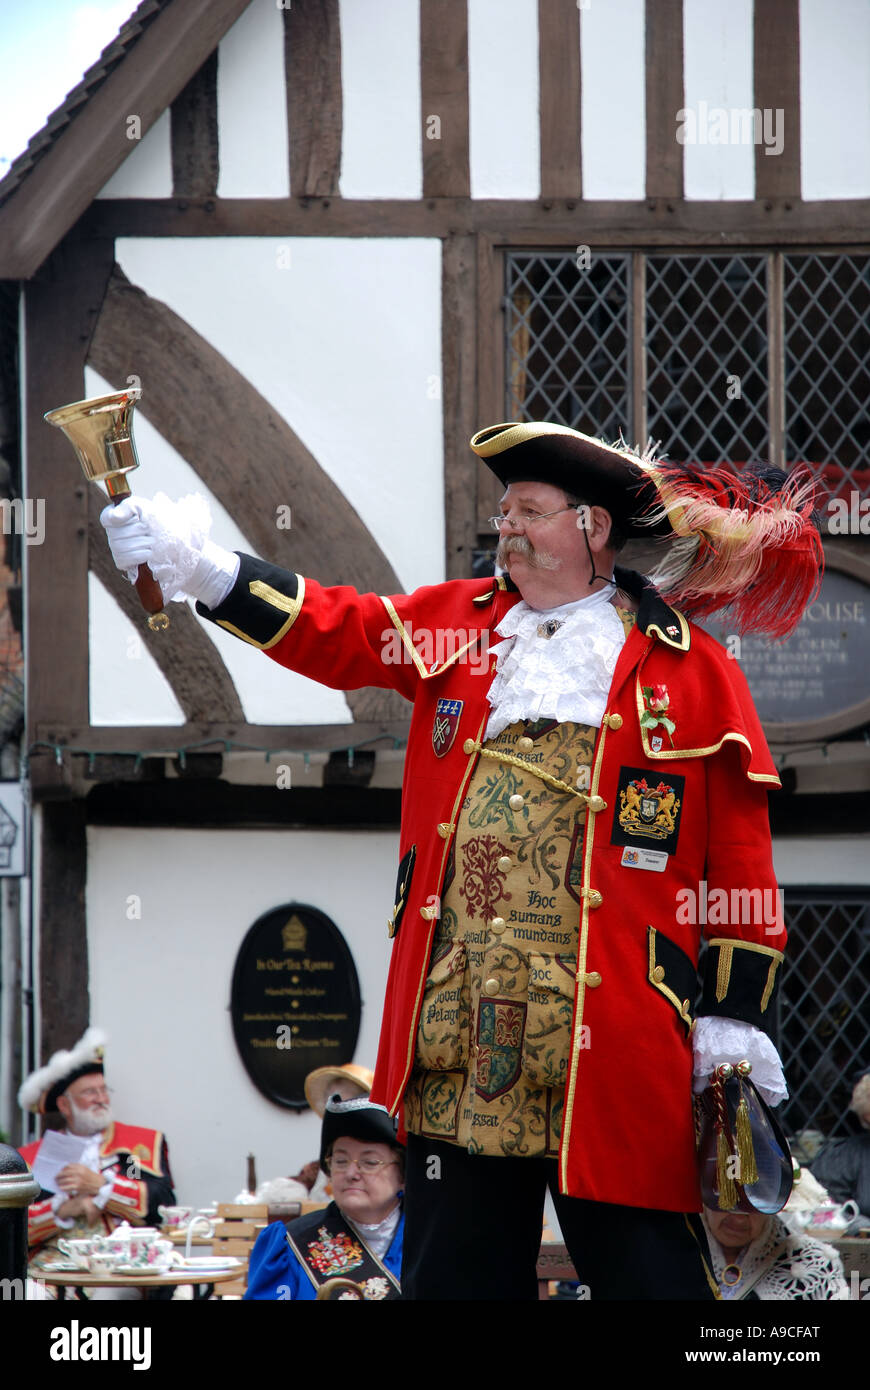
490,365
153,740
209,804
459,400
84,156
664,98
312,66
559,84
61,305
244,451
776,78
236,441
194,135
186,656
656,221
63,943
444,96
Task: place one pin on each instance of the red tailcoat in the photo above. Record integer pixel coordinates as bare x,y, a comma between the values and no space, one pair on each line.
628,1132
141,1182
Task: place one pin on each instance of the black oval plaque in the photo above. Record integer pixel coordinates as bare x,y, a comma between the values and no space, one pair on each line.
295,1000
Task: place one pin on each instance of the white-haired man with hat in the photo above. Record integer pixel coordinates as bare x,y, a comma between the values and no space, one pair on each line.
582,768
122,1173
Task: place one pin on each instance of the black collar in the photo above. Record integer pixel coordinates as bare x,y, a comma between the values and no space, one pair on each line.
653,614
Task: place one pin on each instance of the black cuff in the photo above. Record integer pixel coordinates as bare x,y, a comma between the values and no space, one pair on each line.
740,981
262,605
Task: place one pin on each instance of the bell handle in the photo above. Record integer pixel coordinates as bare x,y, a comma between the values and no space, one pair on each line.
146,586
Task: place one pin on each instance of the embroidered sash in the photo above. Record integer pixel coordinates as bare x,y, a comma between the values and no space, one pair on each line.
334,1250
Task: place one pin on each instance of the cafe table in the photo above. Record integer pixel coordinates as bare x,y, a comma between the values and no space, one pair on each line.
203,1281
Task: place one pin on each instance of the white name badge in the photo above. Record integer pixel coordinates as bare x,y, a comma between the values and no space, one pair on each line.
655,859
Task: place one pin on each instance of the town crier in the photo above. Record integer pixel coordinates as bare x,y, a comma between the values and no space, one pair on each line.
122,1172
585,777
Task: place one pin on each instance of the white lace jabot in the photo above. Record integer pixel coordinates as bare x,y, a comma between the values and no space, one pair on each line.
555,663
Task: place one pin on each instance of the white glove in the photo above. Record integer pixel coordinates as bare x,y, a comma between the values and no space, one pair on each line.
172,539
716,1040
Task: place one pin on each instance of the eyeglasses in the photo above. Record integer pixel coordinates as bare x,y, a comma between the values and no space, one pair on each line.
339,1163
527,519
95,1093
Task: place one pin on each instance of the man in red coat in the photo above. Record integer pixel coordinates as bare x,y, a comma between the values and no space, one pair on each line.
584,798
122,1173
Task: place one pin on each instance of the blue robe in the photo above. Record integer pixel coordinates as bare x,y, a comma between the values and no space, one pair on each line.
274,1273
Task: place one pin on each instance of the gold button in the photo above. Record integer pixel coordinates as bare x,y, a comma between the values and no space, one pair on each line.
659,974
468,746
429,913
613,721
594,898
516,802
505,863
491,987
498,925
597,803
526,745
593,979
444,829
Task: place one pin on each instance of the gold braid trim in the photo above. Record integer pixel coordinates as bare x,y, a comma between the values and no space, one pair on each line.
723,974
771,976
472,746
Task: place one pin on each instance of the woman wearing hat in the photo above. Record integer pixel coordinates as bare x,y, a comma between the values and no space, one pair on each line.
359,1235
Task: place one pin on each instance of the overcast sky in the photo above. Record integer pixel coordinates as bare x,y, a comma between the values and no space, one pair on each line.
45,47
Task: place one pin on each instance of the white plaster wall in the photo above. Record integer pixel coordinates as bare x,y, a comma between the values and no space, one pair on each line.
160,986
503,99
612,96
835,98
718,50
147,170
126,684
380,78
343,338
252,107
124,688
835,859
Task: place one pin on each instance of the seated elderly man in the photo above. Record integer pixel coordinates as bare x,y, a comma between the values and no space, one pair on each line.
359,1235
843,1165
122,1173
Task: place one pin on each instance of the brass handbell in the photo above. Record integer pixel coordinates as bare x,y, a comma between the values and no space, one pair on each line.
101,432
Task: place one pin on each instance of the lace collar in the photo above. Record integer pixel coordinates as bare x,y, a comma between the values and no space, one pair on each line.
555,663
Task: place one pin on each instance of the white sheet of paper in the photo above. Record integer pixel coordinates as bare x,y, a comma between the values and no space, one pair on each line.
55,1152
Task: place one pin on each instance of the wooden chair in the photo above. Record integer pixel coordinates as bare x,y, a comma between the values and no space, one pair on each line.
237,1228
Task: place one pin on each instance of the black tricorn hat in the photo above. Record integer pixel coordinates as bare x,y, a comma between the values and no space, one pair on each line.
358,1118
747,540
597,473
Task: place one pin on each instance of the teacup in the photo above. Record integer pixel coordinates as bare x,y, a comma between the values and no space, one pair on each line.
78,1250
101,1263
159,1255
175,1217
130,1243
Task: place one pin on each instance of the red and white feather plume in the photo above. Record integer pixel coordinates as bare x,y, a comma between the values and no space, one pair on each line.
746,542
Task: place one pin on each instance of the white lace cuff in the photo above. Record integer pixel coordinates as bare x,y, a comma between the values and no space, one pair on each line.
718,1040
185,563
